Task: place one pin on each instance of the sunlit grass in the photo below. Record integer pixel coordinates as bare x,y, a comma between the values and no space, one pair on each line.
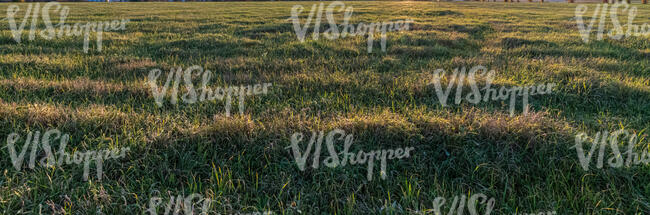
385,99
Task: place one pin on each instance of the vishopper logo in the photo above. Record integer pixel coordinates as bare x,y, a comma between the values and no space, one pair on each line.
617,159
600,14
206,93
459,76
192,204
345,29
61,29
50,160
345,158
459,204
180,203
470,203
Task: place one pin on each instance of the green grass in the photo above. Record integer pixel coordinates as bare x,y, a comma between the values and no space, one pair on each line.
384,99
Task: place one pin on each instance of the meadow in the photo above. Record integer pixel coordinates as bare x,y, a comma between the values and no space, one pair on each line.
244,162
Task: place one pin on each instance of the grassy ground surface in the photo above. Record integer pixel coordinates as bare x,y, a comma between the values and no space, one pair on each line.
102,100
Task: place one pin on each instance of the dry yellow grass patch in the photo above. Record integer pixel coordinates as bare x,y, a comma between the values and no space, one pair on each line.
51,115
131,65
80,86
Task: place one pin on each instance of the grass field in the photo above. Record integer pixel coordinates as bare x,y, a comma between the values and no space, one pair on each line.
385,99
